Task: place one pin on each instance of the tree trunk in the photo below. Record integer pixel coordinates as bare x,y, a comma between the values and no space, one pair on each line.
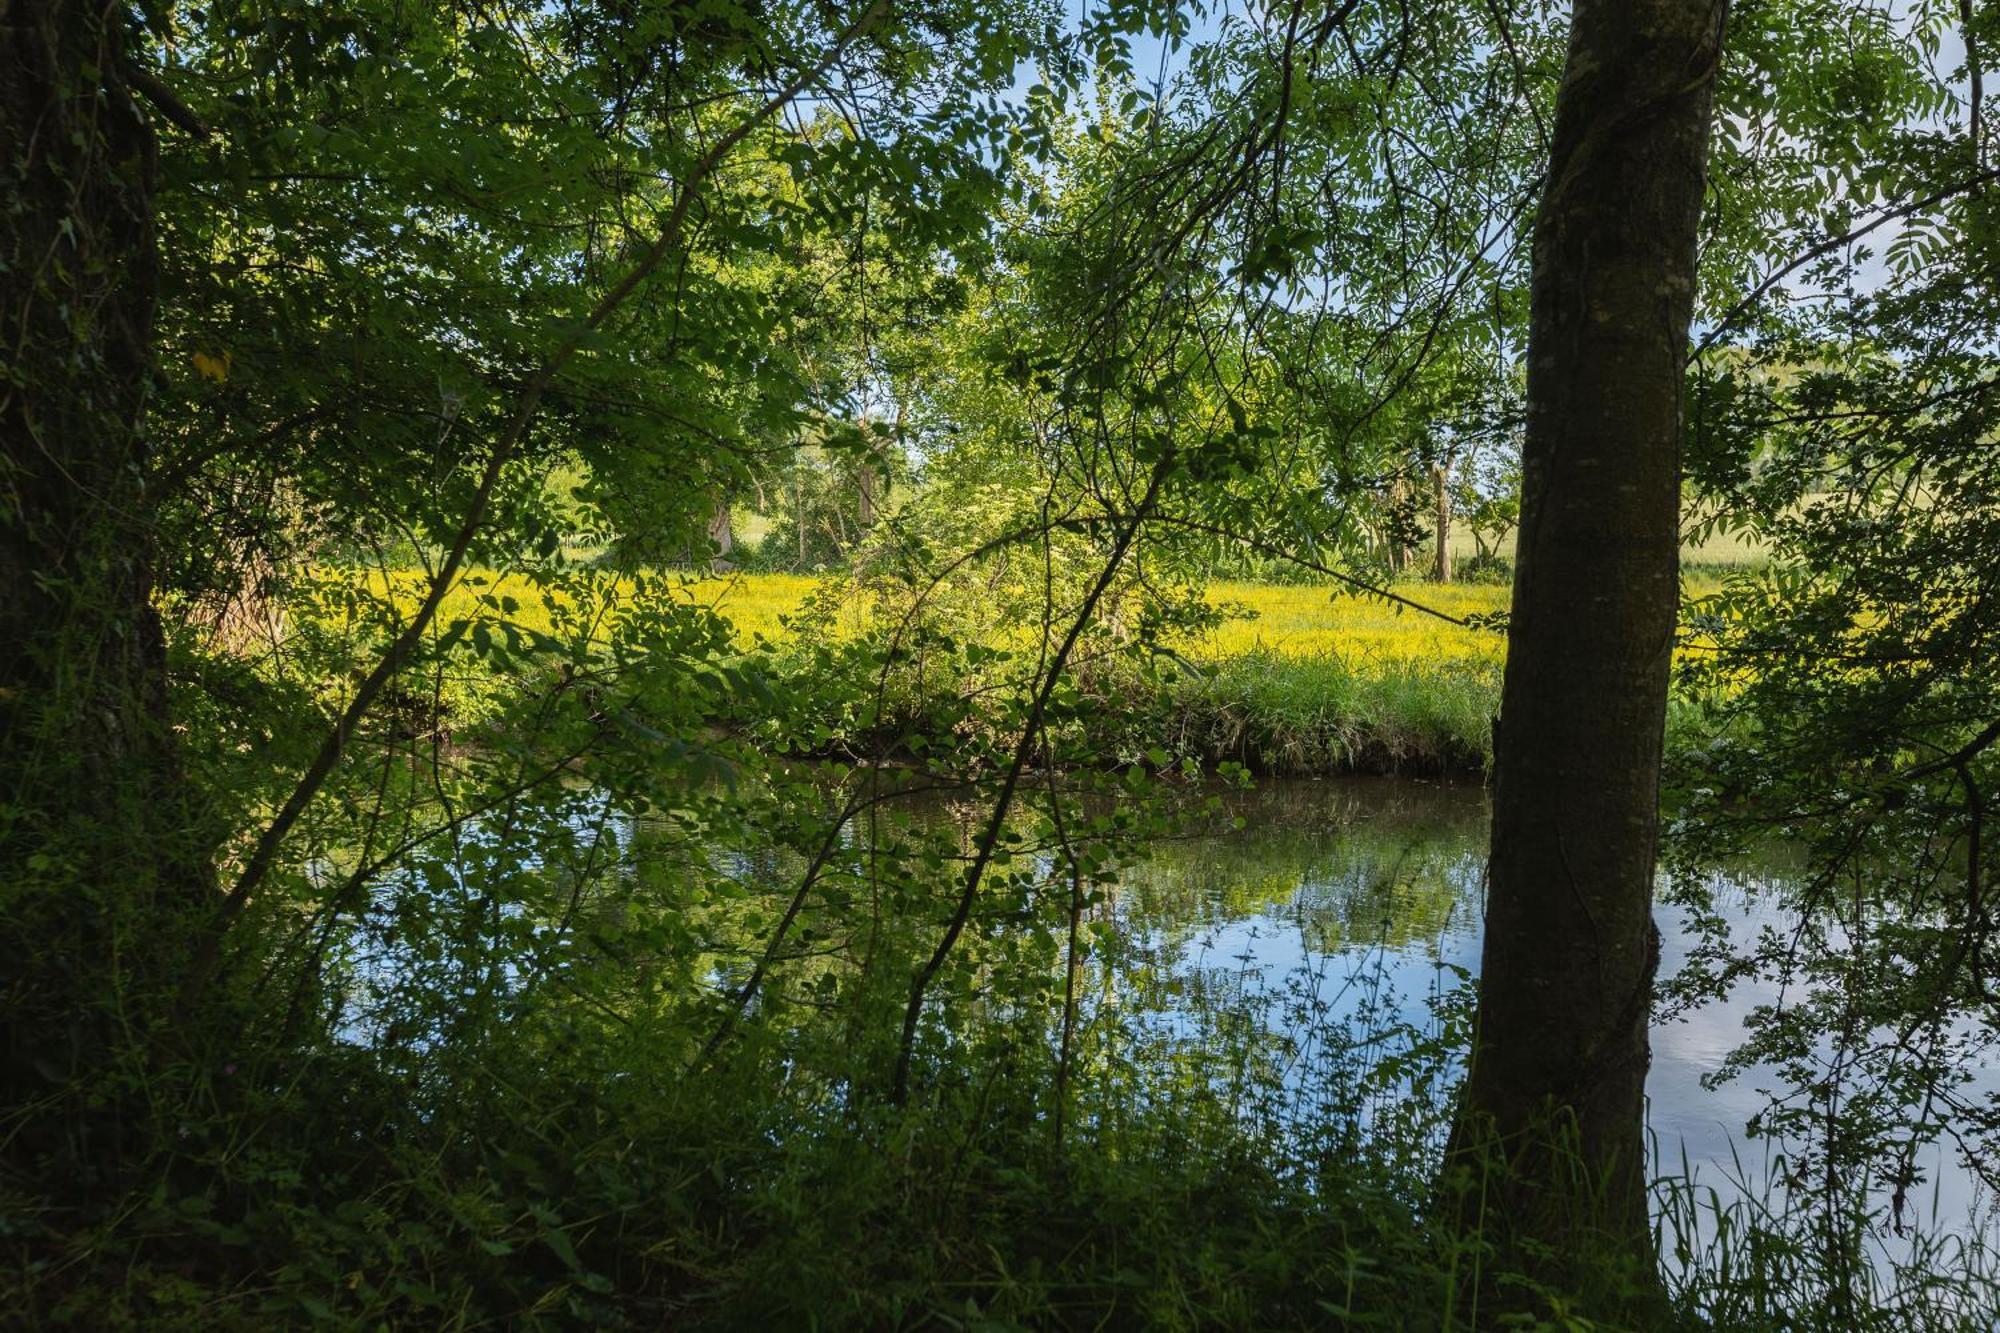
722,536
101,852
799,508
865,486
1441,492
1556,1084
1396,492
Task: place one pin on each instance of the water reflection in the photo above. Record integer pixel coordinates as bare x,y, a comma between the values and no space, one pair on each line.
1365,897
1302,917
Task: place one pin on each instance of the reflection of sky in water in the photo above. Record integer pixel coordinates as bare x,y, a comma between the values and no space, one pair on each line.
398,950
1284,942
1357,901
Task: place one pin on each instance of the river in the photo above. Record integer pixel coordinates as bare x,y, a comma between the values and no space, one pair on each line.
1334,922
1359,901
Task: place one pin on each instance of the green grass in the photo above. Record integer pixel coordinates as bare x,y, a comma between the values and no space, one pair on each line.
1304,715
1297,679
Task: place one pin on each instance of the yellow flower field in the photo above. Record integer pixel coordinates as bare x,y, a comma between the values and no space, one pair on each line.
1298,621
1286,620
753,603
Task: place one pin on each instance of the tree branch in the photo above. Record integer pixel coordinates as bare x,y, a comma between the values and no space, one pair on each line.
149,85
262,857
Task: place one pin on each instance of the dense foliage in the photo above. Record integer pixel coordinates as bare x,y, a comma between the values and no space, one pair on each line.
430,896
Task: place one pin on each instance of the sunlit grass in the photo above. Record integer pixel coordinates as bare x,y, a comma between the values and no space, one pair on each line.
1292,621
1283,620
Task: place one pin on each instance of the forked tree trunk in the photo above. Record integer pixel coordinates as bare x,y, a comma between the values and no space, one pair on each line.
1559,1061
865,496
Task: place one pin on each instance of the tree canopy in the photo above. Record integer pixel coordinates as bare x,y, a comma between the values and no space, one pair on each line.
435,888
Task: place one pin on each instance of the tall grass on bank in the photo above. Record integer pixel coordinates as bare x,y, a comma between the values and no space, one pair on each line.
1756,1254
1300,715
1302,680
1294,679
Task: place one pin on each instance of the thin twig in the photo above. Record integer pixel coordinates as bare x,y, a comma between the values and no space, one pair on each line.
989,836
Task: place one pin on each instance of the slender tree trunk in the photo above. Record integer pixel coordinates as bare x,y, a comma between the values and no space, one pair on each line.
722,536
799,508
865,486
865,483
1556,1085
101,853
1441,494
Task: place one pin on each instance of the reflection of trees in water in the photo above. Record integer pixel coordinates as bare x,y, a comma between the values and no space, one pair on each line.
1333,866
874,876
1352,863
673,915
1393,900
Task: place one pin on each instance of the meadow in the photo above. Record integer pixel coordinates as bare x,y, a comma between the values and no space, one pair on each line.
1304,622
1296,679
1291,621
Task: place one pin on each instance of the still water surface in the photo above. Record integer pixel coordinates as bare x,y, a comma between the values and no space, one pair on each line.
1339,906
1365,894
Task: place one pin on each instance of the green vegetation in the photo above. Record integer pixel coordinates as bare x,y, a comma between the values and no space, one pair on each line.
628,632
1294,679
1298,678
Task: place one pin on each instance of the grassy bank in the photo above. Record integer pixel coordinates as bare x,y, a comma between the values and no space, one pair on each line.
1305,680
1322,713
1294,679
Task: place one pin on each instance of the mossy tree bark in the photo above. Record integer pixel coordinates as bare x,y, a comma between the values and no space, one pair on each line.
99,846
1554,1095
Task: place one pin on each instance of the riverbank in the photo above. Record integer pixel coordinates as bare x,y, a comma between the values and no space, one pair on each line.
1289,680
1293,680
